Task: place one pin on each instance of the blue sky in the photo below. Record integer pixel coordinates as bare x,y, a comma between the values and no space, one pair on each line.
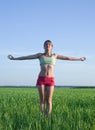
26,24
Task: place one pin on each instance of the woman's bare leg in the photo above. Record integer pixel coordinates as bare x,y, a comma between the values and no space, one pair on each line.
48,97
42,97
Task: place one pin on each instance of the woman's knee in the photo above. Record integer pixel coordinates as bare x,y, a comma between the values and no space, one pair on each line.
42,100
49,100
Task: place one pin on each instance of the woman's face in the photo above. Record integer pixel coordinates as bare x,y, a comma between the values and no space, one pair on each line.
48,46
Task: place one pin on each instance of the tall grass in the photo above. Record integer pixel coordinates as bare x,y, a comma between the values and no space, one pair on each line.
73,109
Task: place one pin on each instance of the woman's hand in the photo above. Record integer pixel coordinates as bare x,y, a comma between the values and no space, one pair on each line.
11,57
82,58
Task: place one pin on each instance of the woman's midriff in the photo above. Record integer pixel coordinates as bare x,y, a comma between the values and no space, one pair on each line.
47,70
46,76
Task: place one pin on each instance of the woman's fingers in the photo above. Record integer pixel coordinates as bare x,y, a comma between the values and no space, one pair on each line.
10,57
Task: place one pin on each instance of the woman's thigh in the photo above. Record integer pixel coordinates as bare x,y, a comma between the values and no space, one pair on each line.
49,92
41,90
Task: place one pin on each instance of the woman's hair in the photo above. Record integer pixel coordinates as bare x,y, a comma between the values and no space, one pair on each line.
48,41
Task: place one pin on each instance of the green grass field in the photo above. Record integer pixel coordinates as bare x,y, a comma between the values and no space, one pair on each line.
73,109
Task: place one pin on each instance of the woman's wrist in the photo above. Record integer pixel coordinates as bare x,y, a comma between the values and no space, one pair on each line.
82,58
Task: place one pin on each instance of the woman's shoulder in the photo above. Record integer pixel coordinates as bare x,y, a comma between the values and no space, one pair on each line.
40,55
55,55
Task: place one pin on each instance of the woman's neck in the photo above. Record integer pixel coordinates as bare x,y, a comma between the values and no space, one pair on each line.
48,53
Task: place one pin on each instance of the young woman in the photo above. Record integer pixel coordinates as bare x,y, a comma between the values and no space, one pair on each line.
45,82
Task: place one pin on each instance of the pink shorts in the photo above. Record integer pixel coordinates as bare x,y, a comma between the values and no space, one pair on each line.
47,81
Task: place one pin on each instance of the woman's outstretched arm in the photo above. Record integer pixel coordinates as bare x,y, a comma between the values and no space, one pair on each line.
60,57
29,57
